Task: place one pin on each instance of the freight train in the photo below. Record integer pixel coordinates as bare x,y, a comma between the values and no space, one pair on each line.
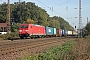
36,31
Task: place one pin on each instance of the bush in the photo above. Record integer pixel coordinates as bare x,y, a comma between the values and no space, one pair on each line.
9,36
3,36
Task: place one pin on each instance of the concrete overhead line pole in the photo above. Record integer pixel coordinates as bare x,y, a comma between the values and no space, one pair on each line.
19,1
8,19
80,20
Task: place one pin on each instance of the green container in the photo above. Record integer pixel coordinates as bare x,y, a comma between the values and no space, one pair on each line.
54,31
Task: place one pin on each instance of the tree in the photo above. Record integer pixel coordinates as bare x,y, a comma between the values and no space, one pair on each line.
87,28
3,12
54,23
15,27
29,21
59,22
0,29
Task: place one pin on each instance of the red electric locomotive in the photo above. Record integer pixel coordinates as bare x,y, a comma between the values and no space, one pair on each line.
31,30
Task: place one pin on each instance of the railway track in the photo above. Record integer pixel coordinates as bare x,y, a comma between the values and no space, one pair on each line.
20,42
15,49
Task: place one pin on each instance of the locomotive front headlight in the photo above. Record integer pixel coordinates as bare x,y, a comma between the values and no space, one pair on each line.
26,30
20,30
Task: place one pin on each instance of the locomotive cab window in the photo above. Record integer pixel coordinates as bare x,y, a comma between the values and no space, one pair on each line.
21,26
24,26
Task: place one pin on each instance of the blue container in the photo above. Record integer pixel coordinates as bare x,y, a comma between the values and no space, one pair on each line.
63,32
49,31
54,30
66,32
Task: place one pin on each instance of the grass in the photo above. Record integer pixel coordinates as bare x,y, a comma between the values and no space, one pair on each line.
87,37
55,53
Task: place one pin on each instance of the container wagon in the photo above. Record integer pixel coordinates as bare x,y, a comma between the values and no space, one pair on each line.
54,32
49,31
64,33
59,32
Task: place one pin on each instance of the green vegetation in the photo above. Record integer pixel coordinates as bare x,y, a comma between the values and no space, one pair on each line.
14,35
3,37
87,37
56,53
21,12
87,29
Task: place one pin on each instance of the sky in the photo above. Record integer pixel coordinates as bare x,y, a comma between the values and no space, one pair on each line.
64,8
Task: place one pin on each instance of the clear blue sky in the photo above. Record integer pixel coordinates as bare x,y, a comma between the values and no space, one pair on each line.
64,8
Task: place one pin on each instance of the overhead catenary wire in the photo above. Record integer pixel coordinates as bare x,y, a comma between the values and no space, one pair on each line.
42,3
61,3
51,8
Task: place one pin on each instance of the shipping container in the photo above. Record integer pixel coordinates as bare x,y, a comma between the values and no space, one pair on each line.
66,32
70,32
54,30
63,32
75,33
58,32
49,31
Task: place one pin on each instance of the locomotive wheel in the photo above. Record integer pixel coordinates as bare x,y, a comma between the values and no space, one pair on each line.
21,37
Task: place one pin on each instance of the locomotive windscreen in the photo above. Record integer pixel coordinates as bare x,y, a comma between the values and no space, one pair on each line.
24,26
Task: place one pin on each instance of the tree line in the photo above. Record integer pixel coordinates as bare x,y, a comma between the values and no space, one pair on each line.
87,29
28,12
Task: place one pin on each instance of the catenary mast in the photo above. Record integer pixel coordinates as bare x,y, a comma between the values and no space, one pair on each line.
80,20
